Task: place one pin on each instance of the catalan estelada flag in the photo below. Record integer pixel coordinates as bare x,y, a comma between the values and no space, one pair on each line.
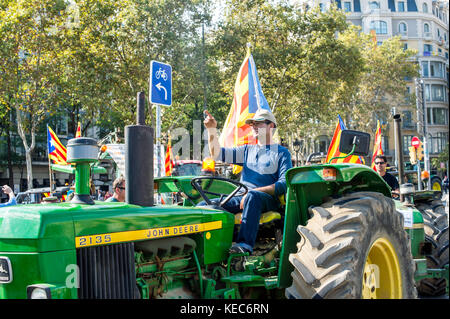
333,150
377,147
78,133
248,97
169,162
56,151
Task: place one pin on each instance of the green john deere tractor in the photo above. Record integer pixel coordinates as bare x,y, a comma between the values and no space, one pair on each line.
340,235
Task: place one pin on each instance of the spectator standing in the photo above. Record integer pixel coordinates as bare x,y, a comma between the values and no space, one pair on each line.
119,190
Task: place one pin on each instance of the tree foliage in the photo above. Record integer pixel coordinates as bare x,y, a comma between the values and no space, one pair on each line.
88,59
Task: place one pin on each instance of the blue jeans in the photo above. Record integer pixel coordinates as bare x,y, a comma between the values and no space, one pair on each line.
255,204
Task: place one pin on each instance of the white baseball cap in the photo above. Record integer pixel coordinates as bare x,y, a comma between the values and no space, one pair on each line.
262,115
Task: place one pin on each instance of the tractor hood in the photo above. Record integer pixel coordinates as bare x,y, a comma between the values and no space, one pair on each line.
53,227
347,176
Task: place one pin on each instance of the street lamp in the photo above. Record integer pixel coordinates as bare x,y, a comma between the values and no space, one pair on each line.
296,146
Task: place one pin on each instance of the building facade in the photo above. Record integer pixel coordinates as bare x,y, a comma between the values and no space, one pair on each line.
423,26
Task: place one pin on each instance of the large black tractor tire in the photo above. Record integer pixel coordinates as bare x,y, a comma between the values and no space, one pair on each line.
436,232
340,254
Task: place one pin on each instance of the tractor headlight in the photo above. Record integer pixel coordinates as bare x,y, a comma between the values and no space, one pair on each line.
39,292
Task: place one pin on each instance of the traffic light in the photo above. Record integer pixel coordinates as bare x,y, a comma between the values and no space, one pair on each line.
420,151
412,155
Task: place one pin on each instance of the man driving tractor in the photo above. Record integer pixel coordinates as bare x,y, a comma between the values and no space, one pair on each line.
264,168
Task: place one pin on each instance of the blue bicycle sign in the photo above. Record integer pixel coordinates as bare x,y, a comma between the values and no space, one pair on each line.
161,74
160,83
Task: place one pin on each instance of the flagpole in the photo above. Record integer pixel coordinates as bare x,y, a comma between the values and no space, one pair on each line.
49,167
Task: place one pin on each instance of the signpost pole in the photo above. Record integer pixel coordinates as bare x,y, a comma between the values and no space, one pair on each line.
415,142
158,138
419,176
160,94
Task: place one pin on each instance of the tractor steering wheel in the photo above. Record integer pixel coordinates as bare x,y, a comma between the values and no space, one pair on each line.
195,182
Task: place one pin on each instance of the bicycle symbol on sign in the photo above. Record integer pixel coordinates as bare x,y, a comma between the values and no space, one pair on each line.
161,74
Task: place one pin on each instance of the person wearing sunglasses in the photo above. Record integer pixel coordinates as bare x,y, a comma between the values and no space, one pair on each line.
119,190
380,166
264,168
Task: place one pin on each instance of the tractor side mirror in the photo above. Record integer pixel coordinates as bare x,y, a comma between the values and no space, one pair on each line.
349,138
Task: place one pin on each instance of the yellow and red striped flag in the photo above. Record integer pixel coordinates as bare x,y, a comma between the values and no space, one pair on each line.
248,97
333,150
78,133
377,147
56,151
169,162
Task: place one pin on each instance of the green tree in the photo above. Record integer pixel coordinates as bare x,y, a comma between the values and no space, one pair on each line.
382,84
301,63
27,65
110,48
442,158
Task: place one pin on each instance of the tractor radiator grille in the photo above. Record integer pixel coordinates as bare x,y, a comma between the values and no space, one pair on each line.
107,272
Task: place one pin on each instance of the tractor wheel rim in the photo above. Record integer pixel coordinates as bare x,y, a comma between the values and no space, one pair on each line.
382,275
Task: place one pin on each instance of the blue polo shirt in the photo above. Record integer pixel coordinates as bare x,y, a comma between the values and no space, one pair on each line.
262,165
12,201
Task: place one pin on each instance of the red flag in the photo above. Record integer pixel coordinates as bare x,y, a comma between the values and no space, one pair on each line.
377,147
248,97
78,133
169,162
56,151
333,150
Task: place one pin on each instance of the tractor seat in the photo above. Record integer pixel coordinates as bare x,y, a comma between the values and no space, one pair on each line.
265,218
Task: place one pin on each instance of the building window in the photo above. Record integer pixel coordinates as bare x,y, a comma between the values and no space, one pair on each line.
426,29
321,144
437,93
436,69
407,120
425,8
374,5
402,28
405,46
380,27
427,92
439,116
347,6
425,73
427,49
440,141
401,6
429,121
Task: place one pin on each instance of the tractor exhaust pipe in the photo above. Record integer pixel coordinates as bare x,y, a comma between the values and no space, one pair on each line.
139,159
399,151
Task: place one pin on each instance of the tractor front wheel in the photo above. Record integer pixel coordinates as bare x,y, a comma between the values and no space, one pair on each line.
353,247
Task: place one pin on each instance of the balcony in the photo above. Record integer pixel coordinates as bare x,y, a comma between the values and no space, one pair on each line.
428,36
403,35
